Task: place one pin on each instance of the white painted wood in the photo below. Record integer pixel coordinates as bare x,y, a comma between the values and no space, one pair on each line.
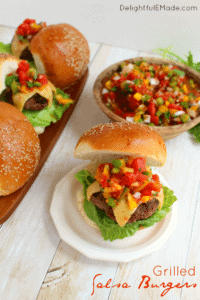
71,274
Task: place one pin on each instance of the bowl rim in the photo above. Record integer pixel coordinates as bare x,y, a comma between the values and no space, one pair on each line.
97,88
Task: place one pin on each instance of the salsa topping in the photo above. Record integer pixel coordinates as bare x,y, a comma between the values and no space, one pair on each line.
33,91
160,95
130,178
28,29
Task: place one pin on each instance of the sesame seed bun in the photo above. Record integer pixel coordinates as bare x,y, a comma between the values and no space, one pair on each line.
19,149
122,139
8,64
62,53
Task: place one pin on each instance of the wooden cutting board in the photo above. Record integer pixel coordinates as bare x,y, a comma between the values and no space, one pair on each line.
47,140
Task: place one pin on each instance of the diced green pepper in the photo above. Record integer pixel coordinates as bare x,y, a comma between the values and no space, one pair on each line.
184,104
185,118
115,170
167,115
146,173
9,80
158,113
14,87
171,100
160,101
111,202
117,163
36,83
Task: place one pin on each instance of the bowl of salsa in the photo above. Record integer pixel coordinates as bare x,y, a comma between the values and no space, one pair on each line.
155,91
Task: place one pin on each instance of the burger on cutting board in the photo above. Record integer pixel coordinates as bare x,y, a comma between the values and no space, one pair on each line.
121,193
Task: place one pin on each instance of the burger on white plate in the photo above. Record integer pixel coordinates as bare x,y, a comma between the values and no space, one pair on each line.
121,194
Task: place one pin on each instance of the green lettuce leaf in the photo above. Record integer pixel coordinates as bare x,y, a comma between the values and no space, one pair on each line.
5,48
110,230
47,115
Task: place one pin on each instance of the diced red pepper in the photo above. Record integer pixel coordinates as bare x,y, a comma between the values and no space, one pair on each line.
128,114
146,191
29,21
23,66
104,181
139,164
23,77
118,112
42,79
152,108
140,177
155,120
133,103
112,95
175,106
155,177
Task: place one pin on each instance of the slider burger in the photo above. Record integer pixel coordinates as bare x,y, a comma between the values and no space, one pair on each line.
121,194
19,149
20,45
32,93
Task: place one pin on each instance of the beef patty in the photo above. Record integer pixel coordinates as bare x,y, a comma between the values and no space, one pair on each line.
36,102
144,210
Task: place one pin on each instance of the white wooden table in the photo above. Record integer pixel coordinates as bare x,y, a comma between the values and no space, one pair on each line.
36,264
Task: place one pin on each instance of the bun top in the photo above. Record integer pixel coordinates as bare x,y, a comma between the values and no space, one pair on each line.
61,52
19,149
122,139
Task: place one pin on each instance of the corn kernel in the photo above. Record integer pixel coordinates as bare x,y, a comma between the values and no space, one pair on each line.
138,96
167,103
163,108
146,81
136,72
186,98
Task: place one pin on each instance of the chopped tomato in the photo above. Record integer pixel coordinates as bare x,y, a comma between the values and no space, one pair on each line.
128,179
155,120
139,164
175,106
155,177
152,108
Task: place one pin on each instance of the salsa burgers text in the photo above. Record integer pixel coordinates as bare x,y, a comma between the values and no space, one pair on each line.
121,193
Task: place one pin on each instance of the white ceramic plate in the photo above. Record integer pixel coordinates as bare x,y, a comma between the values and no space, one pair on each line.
73,229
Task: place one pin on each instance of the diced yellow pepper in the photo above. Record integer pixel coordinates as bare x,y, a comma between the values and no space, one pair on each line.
62,100
107,192
186,98
194,107
137,117
137,96
106,171
163,108
145,198
146,81
172,111
109,85
184,87
35,26
131,202
127,170
23,89
166,69
136,72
